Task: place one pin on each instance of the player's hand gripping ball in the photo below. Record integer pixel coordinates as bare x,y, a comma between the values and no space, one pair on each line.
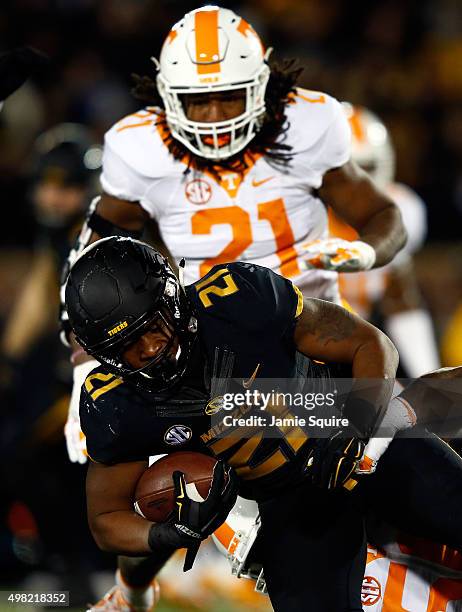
188,496
155,492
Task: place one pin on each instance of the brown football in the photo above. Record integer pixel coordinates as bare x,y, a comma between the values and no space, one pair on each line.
154,495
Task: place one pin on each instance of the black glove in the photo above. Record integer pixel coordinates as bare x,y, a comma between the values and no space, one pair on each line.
191,521
333,460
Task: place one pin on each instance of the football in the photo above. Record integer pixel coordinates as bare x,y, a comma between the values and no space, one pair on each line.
154,494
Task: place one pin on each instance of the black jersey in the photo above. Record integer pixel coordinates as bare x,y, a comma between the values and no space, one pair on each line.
242,310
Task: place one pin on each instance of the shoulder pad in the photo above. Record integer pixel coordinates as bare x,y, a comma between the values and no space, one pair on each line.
108,412
248,294
310,113
137,140
99,382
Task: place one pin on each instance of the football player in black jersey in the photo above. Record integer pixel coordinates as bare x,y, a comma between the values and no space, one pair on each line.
160,349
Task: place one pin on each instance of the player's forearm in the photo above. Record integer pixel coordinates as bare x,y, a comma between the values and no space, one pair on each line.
123,532
385,232
374,369
358,201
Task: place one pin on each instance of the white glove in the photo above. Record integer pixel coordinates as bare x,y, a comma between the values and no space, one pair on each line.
75,439
338,255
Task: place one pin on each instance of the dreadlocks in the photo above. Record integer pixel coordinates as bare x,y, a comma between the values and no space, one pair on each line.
281,85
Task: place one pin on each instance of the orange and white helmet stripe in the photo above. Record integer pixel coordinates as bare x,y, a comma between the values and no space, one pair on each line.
207,44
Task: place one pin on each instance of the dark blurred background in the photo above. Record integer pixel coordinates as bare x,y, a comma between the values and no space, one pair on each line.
402,59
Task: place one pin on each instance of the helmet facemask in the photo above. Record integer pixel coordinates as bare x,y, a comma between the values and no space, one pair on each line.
213,50
240,129
164,365
167,367
120,289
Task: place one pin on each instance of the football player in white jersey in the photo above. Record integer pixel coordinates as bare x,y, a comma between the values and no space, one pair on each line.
390,291
233,162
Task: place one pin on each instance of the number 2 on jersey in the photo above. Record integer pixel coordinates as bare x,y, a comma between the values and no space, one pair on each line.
205,287
272,211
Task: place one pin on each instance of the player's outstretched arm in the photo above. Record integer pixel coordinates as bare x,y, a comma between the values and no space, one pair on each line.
356,199
330,333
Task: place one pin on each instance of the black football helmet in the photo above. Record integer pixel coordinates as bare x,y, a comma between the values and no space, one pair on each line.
116,291
67,154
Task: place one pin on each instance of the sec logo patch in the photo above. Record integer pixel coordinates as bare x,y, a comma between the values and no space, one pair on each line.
177,434
371,591
198,191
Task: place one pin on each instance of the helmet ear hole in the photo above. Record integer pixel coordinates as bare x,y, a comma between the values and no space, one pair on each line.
115,291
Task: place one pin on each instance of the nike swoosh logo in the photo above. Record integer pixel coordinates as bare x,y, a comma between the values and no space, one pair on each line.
248,383
258,183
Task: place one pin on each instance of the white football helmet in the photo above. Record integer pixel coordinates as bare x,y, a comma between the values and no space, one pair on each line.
235,539
210,50
371,144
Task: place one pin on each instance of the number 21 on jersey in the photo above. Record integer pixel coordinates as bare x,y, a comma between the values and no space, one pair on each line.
272,211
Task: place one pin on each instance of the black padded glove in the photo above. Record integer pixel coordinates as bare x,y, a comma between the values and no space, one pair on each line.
191,521
333,460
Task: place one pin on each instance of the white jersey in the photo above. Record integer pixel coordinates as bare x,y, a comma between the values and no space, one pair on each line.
262,216
417,576
362,290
